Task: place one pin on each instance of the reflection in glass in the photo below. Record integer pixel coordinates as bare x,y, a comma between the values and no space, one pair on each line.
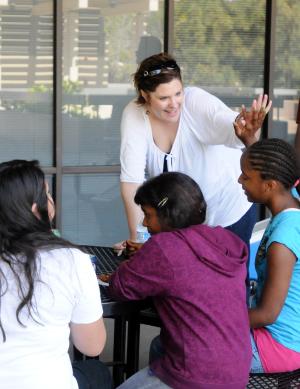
26,72
286,70
103,41
220,47
92,211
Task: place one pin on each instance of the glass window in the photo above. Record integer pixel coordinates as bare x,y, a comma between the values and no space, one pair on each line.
102,45
220,47
286,69
26,72
92,211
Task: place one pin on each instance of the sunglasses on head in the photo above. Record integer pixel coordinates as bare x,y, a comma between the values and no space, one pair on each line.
157,69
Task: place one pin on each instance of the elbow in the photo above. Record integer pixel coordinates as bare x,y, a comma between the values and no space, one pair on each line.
261,318
94,349
270,318
89,339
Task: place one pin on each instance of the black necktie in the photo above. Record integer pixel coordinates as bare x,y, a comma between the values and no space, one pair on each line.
165,167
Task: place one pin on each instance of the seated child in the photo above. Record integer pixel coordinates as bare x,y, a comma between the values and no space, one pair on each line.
196,277
48,289
269,172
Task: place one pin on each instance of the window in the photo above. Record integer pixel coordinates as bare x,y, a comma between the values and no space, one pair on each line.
26,75
220,46
102,45
286,70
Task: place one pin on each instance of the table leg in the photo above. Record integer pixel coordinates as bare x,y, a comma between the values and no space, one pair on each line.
133,345
119,350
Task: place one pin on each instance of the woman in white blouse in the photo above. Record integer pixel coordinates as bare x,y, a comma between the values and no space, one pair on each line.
172,128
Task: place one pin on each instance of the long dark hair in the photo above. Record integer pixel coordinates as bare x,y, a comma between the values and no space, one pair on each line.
177,198
150,83
22,234
275,159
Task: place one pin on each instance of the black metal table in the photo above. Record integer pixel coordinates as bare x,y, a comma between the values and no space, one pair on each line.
125,360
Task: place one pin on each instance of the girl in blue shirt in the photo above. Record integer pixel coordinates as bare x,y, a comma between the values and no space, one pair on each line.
269,172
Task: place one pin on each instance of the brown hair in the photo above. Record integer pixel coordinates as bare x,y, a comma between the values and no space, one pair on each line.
148,83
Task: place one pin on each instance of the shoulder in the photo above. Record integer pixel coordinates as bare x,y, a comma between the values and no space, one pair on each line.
193,92
159,246
164,238
287,219
197,99
132,108
220,236
285,229
133,118
65,255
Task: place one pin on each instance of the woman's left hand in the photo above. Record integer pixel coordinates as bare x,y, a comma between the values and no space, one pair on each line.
247,123
131,248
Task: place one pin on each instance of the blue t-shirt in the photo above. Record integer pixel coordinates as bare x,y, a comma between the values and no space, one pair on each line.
284,228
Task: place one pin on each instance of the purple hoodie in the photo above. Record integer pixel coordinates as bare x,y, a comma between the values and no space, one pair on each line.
196,277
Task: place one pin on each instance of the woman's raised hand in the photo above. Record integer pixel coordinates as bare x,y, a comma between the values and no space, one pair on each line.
247,123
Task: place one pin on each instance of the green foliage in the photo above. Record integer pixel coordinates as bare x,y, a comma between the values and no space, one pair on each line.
287,64
222,42
71,87
40,88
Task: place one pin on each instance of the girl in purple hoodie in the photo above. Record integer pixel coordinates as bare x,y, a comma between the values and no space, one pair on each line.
195,275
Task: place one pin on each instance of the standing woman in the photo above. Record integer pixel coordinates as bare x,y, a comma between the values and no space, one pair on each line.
171,128
48,291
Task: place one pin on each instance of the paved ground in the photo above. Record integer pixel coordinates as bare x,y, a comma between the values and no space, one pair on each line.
147,334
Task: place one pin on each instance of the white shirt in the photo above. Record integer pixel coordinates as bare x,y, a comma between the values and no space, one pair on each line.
36,356
206,148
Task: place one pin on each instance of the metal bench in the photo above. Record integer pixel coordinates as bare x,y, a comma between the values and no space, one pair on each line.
286,380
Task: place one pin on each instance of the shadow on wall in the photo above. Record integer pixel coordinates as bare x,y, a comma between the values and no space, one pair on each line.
148,46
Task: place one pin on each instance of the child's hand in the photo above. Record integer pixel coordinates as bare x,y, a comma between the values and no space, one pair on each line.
132,247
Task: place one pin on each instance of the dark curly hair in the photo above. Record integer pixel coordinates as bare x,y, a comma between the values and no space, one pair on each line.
275,159
150,83
22,234
177,198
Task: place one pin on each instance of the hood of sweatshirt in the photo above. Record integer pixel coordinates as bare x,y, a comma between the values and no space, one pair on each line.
217,247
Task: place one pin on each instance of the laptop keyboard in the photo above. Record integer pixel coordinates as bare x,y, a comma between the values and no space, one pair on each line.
107,260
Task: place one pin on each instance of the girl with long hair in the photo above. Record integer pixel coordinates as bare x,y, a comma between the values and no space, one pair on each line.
48,290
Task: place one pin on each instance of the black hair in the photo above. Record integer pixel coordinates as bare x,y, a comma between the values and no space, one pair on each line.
177,198
22,234
275,159
150,83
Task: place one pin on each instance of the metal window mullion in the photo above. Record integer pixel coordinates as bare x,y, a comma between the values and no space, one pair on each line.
107,169
169,26
269,59
269,56
57,104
